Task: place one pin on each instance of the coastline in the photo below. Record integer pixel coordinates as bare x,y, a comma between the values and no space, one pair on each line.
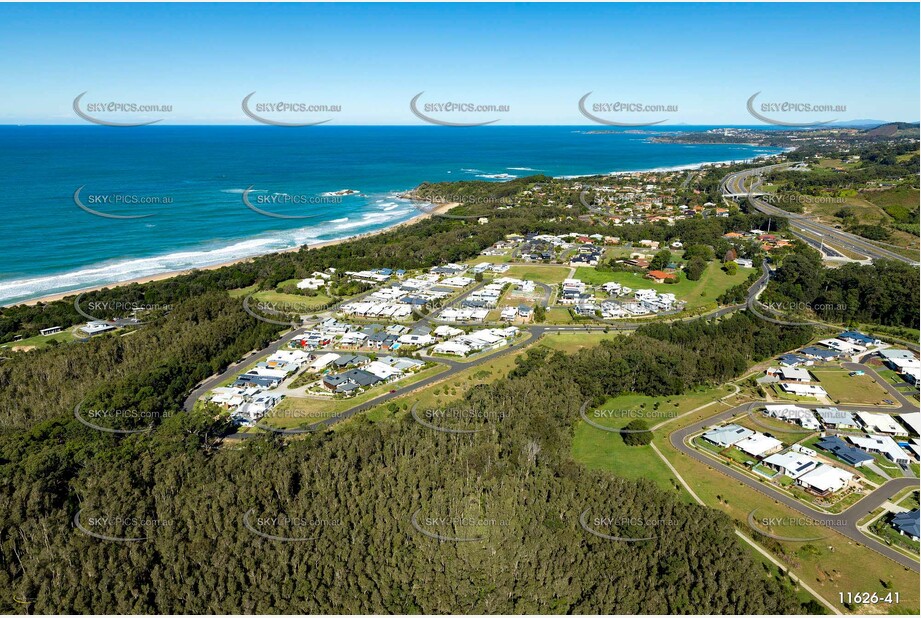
439,209
49,298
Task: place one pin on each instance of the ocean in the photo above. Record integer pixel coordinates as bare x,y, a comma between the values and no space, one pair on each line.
165,198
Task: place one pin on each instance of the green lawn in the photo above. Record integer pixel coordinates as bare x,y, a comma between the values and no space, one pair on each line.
605,450
40,341
293,300
541,274
845,389
570,342
712,284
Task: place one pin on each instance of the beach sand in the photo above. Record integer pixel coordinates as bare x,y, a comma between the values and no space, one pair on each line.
439,209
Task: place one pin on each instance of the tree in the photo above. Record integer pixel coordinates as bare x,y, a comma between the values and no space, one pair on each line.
637,433
695,269
540,313
661,260
730,268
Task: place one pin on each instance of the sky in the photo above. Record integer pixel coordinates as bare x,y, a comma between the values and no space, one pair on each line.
706,60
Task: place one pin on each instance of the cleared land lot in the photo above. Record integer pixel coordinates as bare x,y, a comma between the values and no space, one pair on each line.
844,388
712,283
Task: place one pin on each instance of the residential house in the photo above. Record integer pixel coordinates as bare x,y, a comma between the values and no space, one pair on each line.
791,463
844,451
727,435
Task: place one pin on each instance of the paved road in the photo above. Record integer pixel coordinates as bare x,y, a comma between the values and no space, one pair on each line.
844,523
734,186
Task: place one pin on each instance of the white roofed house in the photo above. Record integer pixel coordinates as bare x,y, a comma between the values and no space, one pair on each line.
825,479
310,283
793,414
839,419
913,421
884,445
791,463
727,435
453,348
809,390
795,374
759,445
880,423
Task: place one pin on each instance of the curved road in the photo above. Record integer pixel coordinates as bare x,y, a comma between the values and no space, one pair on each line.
734,186
844,522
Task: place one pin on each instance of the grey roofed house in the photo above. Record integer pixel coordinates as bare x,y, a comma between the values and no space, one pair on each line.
727,435
372,329
345,360
792,360
245,379
361,378
891,354
821,353
834,417
908,523
347,387
380,337
847,453
421,330
333,381
414,300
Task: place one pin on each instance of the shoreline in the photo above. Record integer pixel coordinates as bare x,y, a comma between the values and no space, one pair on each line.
50,298
439,209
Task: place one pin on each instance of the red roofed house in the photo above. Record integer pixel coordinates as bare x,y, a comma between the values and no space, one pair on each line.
660,277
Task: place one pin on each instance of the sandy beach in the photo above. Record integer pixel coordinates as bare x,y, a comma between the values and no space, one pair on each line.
439,209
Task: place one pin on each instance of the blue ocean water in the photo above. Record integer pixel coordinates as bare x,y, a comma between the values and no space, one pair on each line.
199,174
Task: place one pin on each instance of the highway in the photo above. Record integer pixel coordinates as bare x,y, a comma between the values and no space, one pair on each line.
733,186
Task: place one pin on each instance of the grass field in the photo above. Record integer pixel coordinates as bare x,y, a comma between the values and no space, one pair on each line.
714,282
40,341
293,300
845,389
559,315
570,342
605,450
542,274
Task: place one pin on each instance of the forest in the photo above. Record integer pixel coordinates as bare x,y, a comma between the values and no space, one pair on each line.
212,520
382,516
884,292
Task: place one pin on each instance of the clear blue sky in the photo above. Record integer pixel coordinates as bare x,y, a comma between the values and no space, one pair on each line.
537,58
